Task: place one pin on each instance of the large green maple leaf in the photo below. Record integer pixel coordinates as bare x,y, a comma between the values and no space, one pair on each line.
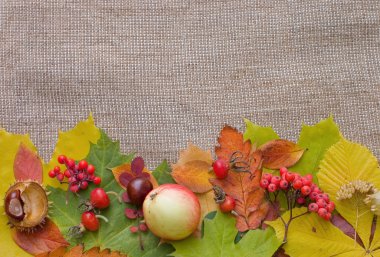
257,134
316,139
218,241
115,234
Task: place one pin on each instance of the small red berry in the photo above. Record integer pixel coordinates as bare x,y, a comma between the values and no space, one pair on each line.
284,184
306,182
272,187
330,207
80,176
297,184
327,216
316,189
83,184
283,170
74,188
57,170
72,180
90,221
91,169
267,176
264,183
228,204
321,203
301,200
67,174
305,190
70,163
320,196
325,197
220,168
322,212
61,159
289,177
52,174
99,198
275,180
82,165
309,177
60,177
313,195
313,207
97,180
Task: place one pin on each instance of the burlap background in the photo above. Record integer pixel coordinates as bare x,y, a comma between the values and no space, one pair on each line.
159,73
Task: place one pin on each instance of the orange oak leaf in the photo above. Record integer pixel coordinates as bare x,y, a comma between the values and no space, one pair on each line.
280,153
42,240
27,165
244,187
123,174
192,169
77,251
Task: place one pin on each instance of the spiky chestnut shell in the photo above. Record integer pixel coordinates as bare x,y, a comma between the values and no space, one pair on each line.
26,205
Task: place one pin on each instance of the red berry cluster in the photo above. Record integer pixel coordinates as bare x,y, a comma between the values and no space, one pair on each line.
303,189
78,174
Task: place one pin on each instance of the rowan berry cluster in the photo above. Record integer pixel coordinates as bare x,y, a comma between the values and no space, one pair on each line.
299,190
78,174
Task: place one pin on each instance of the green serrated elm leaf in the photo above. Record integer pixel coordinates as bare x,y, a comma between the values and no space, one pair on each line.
316,139
115,234
162,174
258,135
218,241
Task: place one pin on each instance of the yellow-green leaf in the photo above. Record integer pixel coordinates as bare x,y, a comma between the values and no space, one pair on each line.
311,236
343,163
75,144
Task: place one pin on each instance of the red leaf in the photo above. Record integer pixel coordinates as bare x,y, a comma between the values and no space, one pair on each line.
27,165
242,186
45,239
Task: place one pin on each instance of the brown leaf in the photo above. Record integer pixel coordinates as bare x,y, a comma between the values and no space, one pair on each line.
280,153
126,169
43,240
192,169
242,186
27,165
77,251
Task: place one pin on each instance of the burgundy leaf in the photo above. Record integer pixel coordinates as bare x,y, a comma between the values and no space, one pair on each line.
137,165
145,175
125,178
130,213
27,165
339,222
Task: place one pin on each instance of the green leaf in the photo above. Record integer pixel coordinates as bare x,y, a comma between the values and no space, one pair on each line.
311,236
218,241
258,135
115,234
162,174
343,163
316,139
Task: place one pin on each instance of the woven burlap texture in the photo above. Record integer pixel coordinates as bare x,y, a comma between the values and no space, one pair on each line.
159,74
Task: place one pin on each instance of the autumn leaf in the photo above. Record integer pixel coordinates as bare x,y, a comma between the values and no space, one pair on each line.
344,164
242,186
27,165
316,139
258,135
312,236
192,169
45,239
77,251
218,241
74,143
280,153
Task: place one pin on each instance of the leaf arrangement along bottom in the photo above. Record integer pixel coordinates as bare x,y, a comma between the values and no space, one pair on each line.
254,195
